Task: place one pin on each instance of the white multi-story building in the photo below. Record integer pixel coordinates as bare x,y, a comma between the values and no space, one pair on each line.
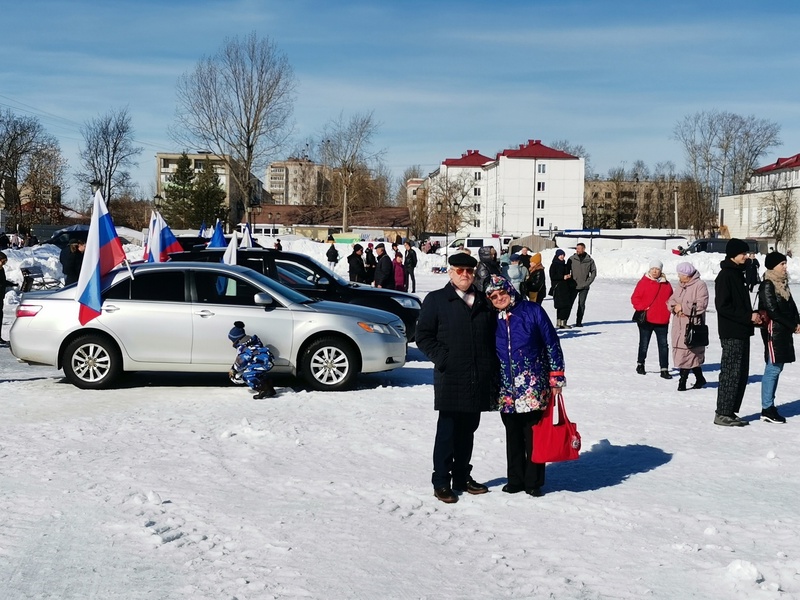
296,181
532,189
771,189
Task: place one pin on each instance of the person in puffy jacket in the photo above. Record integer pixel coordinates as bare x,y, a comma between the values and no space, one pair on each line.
651,295
531,373
514,272
488,265
399,272
534,288
355,265
776,300
252,363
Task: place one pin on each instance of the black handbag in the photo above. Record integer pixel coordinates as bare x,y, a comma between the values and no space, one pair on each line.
639,316
696,331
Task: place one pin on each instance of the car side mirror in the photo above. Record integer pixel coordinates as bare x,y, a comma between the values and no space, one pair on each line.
323,281
263,299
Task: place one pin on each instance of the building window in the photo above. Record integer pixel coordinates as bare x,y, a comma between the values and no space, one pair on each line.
595,194
540,221
540,204
476,191
476,223
198,165
477,175
476,208
414,193
540,186
165,163
608,195
541,168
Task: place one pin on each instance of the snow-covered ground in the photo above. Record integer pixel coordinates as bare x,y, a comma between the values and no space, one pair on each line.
182,486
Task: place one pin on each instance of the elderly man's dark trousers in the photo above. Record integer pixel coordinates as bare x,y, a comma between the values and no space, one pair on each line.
452,449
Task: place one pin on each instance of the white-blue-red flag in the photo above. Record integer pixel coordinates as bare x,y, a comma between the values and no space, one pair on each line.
103,253
247,238
218,239
160,240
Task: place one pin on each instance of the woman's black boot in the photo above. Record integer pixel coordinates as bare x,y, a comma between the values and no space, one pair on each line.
684,375
700,381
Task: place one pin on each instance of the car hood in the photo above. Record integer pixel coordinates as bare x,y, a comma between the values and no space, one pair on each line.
382,291
352,310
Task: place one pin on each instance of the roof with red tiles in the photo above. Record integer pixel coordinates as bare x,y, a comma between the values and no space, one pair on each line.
470,158
535,149
782,163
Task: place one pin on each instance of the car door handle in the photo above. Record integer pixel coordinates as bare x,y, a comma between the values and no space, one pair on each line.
204,313
110,308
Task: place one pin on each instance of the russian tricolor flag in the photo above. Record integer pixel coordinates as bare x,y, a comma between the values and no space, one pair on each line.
160,240
103,253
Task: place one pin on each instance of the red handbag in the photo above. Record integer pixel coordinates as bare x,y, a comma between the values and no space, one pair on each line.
555,437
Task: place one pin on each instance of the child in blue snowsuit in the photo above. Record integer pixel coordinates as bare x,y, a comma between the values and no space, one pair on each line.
252,363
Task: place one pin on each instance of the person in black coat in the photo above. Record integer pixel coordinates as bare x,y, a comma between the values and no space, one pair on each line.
369,264
410,263
751,276
384,270
562,289
71,260
455,330
783,322
355,265
735,322
488,265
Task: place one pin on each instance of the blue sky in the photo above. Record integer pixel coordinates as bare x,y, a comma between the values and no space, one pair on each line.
441,77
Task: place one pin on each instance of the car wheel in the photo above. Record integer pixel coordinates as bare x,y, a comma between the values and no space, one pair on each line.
92,362
329,364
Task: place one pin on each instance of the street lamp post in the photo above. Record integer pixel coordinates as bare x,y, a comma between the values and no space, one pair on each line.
675,195
439,207
272,224
158,202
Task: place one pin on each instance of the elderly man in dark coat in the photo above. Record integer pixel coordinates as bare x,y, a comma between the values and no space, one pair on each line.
384,271
455,331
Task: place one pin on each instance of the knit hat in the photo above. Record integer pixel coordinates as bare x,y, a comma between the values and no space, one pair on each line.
237,333
656,264
536,259
559,252
497,282
357,247
369,245
735,247
773,259
514,257
685,268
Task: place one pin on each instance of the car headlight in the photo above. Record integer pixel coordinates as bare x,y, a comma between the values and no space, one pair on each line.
407,302
379,328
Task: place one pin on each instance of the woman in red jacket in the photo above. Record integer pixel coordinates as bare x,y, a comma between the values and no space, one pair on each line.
651,295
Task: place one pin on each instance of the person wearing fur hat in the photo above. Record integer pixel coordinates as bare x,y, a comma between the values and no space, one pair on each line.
690,295
651,295
252,363
455,330
775,298
736,323
562,289
531,373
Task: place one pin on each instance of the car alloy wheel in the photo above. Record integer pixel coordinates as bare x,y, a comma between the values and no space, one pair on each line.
329,364
92,362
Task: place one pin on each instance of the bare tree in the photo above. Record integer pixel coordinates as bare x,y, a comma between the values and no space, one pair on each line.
779,217
412,172
20,138
347,150
449,200
722,149
576,150
45,182
108,153
238,103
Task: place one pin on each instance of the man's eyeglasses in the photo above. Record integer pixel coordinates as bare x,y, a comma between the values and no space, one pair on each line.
497,295
462,270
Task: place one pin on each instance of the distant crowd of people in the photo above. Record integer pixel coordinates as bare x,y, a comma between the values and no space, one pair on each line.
14,240
375,266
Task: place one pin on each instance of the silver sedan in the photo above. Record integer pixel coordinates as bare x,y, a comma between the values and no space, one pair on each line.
176,317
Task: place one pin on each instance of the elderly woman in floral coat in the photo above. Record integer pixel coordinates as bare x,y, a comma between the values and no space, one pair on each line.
531,372
692,293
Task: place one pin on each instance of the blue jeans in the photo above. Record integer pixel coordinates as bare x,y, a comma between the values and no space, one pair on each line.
645,333
769,383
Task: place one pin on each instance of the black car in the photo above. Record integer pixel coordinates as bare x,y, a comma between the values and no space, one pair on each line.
306,275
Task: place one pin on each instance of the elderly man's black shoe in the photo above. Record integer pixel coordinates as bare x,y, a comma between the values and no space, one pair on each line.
445,494
471,487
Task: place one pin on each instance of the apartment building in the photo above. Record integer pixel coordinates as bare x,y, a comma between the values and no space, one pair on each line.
296,181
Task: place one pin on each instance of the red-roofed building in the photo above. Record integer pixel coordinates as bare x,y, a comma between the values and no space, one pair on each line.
523,190
783,173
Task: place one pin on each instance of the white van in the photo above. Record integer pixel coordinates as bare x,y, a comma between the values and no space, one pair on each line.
473,244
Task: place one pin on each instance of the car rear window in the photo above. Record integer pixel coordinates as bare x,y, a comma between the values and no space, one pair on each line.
157,287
